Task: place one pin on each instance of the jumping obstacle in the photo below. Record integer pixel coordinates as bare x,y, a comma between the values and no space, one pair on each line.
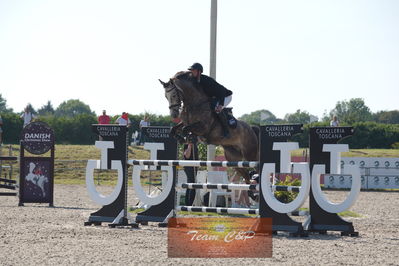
218,186
235,187
8,183
274,158
182,163
217,210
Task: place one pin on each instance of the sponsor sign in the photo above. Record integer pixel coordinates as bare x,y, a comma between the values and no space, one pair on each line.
37,138
223,237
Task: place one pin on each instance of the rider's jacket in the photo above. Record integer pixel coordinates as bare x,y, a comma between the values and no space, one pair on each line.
214,89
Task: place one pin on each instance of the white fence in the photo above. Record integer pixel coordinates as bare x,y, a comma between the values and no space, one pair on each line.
376,173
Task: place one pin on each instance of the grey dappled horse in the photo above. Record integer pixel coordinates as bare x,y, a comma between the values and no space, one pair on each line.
198,118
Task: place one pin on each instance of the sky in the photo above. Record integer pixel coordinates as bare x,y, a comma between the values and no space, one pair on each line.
275,55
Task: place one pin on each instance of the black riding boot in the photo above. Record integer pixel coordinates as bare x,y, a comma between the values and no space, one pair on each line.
223,121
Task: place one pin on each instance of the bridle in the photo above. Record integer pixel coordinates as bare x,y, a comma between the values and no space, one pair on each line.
203,105
170,89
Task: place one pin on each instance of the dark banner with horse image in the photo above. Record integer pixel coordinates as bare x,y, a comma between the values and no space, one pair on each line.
162,146
36,176
37,173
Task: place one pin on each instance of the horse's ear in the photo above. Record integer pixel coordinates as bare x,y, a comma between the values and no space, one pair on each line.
163,83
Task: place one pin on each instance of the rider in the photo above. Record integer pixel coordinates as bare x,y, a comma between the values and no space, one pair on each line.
220,96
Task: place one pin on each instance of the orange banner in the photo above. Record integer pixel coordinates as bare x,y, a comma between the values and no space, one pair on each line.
223,237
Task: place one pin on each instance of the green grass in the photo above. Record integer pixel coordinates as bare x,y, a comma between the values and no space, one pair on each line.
372,153
79,154
359,153
73,172
349,214
342,214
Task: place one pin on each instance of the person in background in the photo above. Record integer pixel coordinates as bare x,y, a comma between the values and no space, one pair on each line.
334,122
123,120
27,116
254,181
190,152
104,118
143,123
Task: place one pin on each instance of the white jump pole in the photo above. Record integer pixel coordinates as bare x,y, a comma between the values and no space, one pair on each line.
211,149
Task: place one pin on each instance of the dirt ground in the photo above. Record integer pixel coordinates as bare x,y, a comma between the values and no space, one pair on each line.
38,235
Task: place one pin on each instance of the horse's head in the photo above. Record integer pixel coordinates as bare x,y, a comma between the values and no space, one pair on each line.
182,88
174,97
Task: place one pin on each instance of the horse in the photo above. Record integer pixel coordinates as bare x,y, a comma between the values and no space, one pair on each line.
196,117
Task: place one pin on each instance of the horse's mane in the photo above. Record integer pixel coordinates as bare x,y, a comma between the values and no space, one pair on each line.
187,78
183,75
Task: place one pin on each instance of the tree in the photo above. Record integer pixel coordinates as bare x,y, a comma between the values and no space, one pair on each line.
387,117
352,111
300,117
3,105
46,109
72,108
260,117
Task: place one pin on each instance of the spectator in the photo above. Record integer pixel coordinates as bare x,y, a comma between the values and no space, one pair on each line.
104,119
143,123
1,131
190,152
27,116
334,122
123,120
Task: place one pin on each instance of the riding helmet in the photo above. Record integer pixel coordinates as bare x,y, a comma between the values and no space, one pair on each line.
196,66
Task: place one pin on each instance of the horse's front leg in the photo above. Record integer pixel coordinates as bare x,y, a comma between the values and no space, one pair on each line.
175,129
177,132
194,128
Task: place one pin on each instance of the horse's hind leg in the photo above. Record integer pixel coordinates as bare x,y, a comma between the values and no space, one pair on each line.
232,154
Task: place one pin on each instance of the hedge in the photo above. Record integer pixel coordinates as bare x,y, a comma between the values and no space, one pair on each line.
77,130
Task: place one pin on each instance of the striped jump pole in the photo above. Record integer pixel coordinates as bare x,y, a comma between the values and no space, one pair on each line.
235,187
231,210
8,186
299,213
189,163
5,180
286,188
217,210
218,186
